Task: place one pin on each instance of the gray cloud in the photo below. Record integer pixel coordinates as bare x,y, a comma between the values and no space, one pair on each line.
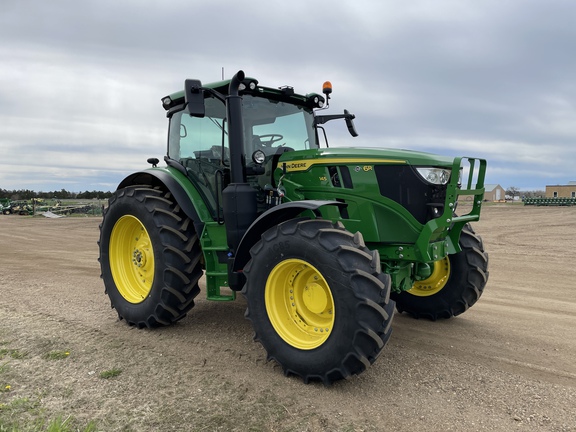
81,82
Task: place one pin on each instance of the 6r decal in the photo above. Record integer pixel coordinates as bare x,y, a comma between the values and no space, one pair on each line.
364,168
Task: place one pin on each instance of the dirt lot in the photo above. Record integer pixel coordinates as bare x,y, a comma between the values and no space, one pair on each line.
507,363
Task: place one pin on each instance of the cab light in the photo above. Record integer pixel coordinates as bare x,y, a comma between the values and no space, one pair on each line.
166,101
258,157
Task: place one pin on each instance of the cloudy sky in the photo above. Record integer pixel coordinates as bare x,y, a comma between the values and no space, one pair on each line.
81,81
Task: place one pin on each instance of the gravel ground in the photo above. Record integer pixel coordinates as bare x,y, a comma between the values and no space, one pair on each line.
507,363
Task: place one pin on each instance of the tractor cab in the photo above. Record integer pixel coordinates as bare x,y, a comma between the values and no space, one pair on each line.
275,121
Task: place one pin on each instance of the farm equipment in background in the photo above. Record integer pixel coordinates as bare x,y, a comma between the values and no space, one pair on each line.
40,206
323,242
565,202
5,207
16,207
69,209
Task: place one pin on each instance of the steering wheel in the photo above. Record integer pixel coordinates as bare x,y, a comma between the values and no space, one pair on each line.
270,139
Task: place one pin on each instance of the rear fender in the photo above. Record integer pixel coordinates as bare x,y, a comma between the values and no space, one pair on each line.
166,181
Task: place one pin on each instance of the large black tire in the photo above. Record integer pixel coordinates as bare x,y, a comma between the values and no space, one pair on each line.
149,257
456,283
317,300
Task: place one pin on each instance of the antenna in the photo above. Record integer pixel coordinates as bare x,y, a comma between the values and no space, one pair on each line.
222,73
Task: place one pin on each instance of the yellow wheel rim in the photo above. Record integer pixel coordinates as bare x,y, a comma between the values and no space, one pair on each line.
434,283
131,259
299,304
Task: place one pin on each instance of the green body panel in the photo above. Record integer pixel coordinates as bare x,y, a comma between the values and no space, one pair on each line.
369,212
385,224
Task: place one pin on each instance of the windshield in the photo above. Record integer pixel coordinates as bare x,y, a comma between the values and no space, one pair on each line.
272,124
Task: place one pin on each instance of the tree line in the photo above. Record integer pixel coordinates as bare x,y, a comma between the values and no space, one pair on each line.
26,194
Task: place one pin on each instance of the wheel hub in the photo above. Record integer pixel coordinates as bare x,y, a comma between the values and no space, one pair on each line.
139,256
315,298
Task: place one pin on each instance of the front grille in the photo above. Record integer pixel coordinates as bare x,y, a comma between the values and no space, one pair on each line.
401,183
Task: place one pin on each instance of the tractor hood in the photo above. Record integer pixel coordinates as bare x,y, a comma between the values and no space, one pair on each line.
303,160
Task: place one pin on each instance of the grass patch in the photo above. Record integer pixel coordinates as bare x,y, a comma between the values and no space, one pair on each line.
18,406
18,355
56,355
14,353
69,425
57,425
25,414
111,373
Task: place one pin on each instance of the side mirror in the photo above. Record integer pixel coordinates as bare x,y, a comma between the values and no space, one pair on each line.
350,123
321,119
194,97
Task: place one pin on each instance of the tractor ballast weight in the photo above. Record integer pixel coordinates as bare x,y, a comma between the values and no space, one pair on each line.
323,242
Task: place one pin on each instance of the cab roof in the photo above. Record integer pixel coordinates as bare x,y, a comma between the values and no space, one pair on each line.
250,86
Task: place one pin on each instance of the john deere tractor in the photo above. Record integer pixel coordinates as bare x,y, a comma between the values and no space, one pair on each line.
322,241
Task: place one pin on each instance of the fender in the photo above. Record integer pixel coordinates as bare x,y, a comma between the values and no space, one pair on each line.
162,178
267,220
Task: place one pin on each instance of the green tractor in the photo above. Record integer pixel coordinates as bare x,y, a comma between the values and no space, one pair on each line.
5,206
322,242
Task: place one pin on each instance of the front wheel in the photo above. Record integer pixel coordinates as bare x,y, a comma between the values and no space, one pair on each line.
317,300
149,257
456,282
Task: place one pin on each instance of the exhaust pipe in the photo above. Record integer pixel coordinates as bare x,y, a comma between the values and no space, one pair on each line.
238,198
236,130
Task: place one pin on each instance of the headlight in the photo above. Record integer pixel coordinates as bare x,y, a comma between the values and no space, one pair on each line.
437,176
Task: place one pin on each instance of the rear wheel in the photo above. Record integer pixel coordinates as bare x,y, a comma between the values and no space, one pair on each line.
317,300
456,282
149,257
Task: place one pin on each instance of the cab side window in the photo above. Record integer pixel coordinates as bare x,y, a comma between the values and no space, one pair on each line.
200,144
199,137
